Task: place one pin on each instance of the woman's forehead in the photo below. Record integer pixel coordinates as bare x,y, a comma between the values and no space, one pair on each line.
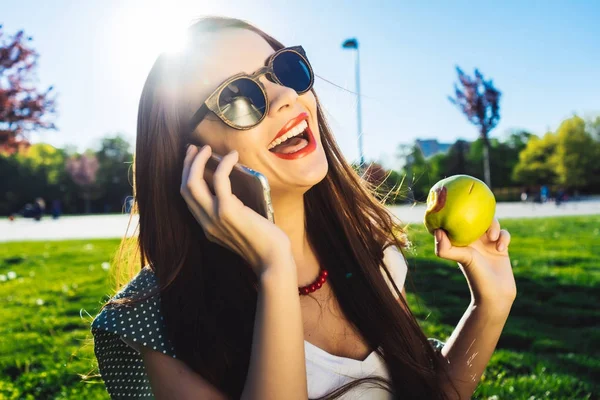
227,53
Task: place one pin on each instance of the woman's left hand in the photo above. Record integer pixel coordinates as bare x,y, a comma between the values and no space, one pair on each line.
486,265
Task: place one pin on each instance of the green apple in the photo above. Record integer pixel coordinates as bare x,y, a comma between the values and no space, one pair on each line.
462,206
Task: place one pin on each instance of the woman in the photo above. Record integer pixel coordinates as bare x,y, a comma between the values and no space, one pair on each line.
230,305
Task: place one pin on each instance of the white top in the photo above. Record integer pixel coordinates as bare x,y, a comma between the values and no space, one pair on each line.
326,372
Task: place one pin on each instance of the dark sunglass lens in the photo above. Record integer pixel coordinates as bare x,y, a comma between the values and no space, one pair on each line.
242,102
292,71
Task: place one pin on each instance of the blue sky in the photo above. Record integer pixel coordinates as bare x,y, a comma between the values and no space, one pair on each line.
543,55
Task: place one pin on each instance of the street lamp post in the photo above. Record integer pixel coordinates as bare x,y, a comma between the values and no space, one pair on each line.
353,44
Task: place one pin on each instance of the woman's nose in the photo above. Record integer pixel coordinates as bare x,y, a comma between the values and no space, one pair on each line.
281,97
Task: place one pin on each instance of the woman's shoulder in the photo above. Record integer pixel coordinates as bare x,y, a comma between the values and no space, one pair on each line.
139,286
138,320
120,330
394,261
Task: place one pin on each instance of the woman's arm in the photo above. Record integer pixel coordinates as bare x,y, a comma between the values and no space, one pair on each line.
471,345
469,348
172,379
277,367
277,364
486,266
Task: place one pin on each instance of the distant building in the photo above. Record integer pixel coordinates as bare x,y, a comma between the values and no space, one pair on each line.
431,147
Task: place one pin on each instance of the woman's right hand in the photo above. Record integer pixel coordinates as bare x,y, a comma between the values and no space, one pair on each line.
224,218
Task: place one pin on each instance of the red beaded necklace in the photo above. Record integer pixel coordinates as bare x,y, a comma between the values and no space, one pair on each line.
304,290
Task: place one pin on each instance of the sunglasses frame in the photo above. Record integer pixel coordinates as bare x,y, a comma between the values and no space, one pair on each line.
212,102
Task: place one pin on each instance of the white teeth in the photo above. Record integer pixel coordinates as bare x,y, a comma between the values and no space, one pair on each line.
295,131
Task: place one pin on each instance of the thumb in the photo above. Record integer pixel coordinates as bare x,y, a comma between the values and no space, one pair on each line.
445,249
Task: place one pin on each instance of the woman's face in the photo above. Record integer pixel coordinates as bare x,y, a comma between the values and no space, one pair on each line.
238,50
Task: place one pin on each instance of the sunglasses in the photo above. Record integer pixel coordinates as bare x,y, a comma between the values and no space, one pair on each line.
241,101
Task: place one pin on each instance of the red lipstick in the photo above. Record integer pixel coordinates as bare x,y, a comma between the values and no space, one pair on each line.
309,148
290,124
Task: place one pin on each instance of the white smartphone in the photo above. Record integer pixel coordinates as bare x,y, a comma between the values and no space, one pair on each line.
250,186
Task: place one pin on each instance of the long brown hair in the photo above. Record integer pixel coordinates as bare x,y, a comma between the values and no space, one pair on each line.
209,294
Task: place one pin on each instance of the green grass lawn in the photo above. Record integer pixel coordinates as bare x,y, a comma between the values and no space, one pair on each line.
546,351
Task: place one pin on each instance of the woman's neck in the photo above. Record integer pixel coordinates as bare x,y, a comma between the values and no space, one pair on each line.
290,217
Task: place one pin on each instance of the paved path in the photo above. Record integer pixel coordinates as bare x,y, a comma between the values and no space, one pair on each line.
114,226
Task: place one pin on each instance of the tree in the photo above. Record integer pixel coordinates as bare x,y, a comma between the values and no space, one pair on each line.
456,160
593,127
375,174
114,161
518,139
535,165
44,157
568,158
388,185
575,159
504,156
22,107
38,171
479,100
417,171
83,170
404,154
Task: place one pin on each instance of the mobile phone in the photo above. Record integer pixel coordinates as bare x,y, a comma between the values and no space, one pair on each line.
248,185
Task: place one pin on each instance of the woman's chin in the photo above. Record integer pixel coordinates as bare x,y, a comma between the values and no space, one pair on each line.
313,173
300,180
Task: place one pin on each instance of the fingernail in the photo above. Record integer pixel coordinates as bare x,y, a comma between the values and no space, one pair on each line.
501,247
438,235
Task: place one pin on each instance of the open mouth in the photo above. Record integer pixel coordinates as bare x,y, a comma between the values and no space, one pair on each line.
293,140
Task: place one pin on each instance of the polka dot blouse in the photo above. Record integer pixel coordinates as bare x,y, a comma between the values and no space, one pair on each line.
118,331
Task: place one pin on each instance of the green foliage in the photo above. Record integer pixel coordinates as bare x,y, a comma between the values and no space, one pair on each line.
535,165
576,155
594,128
568,157
457,159
40,171
419,174
114,175
388,186
518,139
504,156
465,158
394,190
36,172
547,350
43,157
